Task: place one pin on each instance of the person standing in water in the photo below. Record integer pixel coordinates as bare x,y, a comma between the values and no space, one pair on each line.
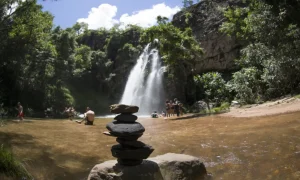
176,107
20,111
168,109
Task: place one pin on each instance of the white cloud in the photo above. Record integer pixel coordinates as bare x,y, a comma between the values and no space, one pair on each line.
104,16
101,17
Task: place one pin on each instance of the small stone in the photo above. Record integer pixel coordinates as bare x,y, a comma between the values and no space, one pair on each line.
122,108
107,133
121,152
122,129
136,144
127,118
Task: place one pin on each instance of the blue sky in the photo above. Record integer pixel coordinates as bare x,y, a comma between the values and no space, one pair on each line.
68,12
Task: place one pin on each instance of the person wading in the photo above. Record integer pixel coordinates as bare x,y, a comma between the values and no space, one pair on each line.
20,112
89,117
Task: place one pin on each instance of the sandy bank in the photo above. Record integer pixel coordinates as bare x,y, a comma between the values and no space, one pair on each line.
281,106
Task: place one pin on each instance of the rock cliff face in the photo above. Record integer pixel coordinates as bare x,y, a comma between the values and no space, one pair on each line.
206,17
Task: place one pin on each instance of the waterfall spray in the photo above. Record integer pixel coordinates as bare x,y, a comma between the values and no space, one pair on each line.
144,87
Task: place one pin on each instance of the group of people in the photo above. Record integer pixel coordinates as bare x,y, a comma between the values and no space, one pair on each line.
172,108
88,117
19,108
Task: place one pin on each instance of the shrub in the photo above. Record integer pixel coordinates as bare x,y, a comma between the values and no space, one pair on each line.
10,167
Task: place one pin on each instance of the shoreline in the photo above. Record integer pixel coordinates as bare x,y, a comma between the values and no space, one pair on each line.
281,106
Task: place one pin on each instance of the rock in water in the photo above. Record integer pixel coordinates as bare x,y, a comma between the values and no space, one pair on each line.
122,108
122,129
127,118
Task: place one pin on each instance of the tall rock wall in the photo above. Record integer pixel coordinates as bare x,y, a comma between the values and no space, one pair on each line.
206,17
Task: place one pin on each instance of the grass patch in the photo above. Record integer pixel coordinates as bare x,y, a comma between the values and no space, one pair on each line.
297,96
3,122
217,110
10,167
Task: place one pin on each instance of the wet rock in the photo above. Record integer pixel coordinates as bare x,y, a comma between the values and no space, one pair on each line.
165,167
122,108
127,138
125,142
127,118
123,129
109,170
129,162
129,152
180,166
122,152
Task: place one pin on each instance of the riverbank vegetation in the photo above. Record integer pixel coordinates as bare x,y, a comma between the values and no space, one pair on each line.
10,167
44,66
269,60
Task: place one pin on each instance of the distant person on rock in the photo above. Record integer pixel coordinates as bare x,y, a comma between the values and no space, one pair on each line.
89,117
154,115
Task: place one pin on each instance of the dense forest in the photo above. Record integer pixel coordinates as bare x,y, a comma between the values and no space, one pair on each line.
44,66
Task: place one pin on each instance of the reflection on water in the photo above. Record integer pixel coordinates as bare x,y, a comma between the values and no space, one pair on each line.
232,148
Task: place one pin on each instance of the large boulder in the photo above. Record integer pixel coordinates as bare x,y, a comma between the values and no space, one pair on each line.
165,167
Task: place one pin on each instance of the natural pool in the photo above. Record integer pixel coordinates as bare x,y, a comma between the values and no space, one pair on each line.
232,148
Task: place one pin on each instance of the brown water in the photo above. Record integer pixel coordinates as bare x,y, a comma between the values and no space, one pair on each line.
232,148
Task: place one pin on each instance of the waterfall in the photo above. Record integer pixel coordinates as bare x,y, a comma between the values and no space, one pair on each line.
144,87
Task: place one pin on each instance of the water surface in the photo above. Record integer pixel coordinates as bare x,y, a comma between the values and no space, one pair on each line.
232,148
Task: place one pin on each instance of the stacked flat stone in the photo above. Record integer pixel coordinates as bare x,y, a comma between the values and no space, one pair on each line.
129,151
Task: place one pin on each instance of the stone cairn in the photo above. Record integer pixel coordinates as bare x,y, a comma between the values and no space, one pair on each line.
129,151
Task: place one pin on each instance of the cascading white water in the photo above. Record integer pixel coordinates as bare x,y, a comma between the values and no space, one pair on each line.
144,87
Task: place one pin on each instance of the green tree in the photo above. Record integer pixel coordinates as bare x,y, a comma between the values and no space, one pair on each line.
82,59
272,42
214,87
161,20
246,85
176,46
80,27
